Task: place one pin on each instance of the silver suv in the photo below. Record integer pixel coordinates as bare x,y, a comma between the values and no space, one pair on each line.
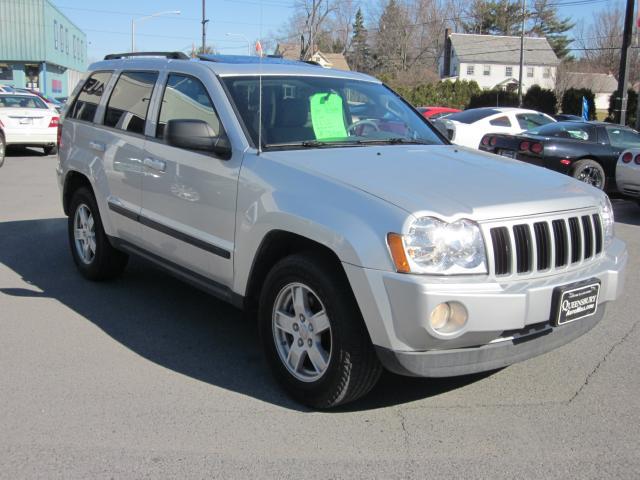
323,202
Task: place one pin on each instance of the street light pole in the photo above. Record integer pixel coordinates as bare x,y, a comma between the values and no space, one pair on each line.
244,38
142,19
521,56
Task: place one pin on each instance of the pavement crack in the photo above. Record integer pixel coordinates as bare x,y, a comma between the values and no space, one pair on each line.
602,361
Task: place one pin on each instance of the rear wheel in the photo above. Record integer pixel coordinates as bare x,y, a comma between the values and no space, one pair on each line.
589,171
51,150
313,334
92,253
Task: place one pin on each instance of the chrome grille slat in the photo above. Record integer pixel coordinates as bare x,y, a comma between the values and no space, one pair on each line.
559,243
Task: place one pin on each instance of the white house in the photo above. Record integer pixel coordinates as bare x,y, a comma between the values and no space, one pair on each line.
601,84
493,61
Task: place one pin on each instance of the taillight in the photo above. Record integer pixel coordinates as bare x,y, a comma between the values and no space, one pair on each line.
536,148
637,159
485,140
565,161
493,141
627,157
55,121
524,146
59,139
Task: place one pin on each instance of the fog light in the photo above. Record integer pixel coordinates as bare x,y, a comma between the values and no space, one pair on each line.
448,317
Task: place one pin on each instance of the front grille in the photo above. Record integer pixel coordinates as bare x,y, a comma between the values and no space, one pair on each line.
529,247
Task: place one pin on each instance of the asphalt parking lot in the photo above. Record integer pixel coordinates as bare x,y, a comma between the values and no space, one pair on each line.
146,377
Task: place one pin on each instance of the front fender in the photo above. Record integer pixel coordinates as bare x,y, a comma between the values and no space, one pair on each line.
276,196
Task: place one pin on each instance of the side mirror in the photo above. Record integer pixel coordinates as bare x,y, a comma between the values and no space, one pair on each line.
192,134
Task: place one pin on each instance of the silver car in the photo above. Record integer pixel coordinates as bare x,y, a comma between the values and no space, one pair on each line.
628,174
322,202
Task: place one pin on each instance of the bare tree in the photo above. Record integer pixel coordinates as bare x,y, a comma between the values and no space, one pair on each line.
315,14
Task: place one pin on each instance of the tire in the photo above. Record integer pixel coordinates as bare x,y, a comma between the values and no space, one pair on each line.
591,172
50,150
352,367
3,149
98,260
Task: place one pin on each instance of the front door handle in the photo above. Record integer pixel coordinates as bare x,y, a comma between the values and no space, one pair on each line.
154,164
100,147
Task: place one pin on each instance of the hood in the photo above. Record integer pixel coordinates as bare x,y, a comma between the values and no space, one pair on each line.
445,180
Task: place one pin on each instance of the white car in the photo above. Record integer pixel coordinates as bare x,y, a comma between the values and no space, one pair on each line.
467,128
628,174
27,121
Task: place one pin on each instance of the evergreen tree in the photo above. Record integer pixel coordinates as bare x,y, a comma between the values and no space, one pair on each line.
547,24
360,56
494,17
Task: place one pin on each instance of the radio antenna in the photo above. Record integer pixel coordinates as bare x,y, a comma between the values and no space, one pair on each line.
259,51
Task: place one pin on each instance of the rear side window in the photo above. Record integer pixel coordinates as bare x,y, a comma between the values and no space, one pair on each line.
501,122
623,138
85,106
527,121
129,102
570,130
185,98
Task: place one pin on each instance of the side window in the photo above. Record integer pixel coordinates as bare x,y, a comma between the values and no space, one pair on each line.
86,104
527,121
185,98
623,138
501,122
129,102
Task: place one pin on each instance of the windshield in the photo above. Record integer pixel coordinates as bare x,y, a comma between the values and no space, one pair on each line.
301,111
21,101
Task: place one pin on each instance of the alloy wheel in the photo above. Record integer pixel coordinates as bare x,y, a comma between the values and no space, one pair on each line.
592,176
84,233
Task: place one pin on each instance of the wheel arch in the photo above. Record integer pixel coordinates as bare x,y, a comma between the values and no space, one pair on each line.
72,182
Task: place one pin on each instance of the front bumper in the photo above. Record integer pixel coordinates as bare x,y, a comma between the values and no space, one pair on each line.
507,322
628,179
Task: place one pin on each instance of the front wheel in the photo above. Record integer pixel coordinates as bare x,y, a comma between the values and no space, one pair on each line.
313,333
92,253
591,172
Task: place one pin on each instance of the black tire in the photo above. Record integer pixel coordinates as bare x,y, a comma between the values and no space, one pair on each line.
3,149
51,150
353,367
589,171
107,262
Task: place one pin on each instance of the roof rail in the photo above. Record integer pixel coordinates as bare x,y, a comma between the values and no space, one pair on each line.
171,55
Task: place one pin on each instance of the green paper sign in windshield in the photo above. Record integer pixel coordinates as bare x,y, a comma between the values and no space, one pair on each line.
327,116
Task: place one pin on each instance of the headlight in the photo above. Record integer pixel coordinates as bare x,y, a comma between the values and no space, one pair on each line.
606,212
437,247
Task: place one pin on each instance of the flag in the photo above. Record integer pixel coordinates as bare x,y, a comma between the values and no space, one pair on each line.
585,109
258,48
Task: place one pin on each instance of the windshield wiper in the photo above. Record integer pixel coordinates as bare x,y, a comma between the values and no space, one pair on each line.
394,141
313,144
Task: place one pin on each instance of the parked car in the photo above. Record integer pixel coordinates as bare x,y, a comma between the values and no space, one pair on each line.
436,112
6,89
467,128
358,248
628,174
560,117
587,151
50,102
25,120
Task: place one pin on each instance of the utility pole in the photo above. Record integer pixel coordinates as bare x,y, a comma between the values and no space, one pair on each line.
204,27
623,75
521,55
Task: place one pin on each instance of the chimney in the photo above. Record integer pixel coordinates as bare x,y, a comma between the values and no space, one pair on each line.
446,64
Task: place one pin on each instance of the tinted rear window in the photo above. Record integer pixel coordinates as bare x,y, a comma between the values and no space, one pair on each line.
85,106
21,101
473,115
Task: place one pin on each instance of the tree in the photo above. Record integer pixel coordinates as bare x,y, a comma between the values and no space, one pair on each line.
392,40
547,24
572,102
541,99
360,56
314,14
496,17
494,98
614,104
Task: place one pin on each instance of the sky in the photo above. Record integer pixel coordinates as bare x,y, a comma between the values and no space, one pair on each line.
108,24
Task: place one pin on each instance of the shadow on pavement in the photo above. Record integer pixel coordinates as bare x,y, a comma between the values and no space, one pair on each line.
626,211
168,322
25,152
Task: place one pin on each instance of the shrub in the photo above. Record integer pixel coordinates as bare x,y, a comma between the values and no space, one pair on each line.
572,102
494,98
541,99
632,102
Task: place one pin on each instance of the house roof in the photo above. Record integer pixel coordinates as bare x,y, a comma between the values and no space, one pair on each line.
596,82
332,60
290,51
470,48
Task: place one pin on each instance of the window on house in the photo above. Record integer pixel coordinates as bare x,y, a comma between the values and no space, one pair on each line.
546,73
55,34
66,40
129,102
508,71
470,69
487,70
529,72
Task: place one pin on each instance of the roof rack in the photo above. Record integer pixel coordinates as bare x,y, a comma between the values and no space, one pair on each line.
171,55
250,59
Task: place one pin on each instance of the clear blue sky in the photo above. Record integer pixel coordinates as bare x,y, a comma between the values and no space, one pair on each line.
108,24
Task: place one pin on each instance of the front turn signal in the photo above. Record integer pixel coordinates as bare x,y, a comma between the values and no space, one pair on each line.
398,255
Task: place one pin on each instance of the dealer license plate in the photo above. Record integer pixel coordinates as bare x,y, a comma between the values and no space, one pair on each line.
507,153
26,121
575,301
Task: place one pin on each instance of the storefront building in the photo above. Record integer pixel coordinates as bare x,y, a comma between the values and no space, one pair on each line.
40,48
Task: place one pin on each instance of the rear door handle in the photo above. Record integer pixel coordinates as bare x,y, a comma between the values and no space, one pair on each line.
100,147
154,164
